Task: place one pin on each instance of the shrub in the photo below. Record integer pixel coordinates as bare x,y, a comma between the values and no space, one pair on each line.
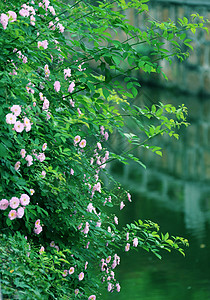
57,239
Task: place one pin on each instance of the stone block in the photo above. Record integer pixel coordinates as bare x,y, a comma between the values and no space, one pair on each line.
193,81
206,82
193,58
131,16
194,108
179,166
175,191
201,55
202,135
165,14
207,164
192,135
180,11
208,136
191,164
207,35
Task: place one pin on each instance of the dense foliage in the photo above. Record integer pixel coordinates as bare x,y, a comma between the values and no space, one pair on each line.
61,96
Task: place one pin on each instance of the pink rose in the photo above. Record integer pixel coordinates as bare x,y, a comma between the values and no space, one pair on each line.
10,119
81,276
14,202
57,86
4,20
4,203
24,199
12,16
12,214
17,165
20,212
38,229
16,109
71,87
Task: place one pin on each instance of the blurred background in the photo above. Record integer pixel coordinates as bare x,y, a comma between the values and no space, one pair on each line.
174,191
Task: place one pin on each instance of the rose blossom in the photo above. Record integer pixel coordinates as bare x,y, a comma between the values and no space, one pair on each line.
41,250
17,165
67,73
12,214
129,197
116,220
43,174
29,159
57,86
37,223
44,146
82,144
4,20
32,191
23,153
71,87
92,297
46,104
135,242
10,119
77,139
81,276
118,287
16,109
12,16
19,126
4,203
52,10
71,270
14,202
20,212
38,229
24,199
27,124
24,12
106,135
43,44
65,273
52,244
127,247
41,157
122,205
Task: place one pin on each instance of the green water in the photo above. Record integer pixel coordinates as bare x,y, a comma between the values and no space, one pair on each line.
143,276
175,193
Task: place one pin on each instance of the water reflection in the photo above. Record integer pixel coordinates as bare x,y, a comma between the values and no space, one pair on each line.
174,191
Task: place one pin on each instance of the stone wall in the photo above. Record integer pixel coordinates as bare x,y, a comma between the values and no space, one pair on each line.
192,75
187,158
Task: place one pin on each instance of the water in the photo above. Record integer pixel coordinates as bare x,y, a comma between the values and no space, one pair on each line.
175,193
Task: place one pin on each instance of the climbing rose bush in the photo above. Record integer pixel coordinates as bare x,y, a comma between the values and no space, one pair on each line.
61,101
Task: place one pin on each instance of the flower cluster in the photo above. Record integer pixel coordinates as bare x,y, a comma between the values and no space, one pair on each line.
43,44
29,158
29,88
11,16
104,134
53,245
37,227
11,118
135,242
82,143
21,56
46,104
107,266
15,203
